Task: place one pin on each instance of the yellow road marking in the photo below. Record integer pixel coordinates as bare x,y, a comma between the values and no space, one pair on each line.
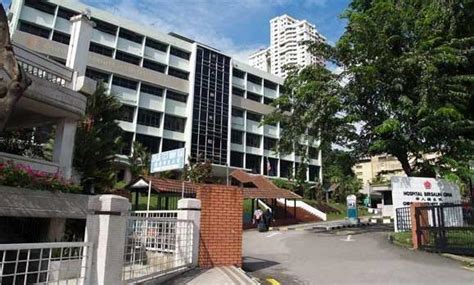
273,281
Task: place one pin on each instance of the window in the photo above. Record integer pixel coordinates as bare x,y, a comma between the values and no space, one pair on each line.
253,140
237,137
270,85
152,90
127,138
127,57
131,36
313,153
286,168
269,143
171,144
154,65
123,82
100,49
254,97
178,73
127,113
179,53
97,75
238,73
254,79
254,117
61,37
156,45
105,27
267,101
238,92
173,123
41,6
237,113
236,159
152,144
148,118
253,162
270,166
34,30
66,14
176,96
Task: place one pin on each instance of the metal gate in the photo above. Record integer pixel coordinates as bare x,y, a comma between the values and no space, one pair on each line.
445,228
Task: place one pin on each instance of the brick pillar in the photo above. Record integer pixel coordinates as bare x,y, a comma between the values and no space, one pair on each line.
221,226
414,226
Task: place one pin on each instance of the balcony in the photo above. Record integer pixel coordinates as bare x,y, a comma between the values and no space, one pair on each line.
155,54
238,123
254,127
129,46
255,88
151,102
236,147
173,107
124,94
177,136
103,38
147,130
38,17
270,131
178,62
269,92
63,25
239,82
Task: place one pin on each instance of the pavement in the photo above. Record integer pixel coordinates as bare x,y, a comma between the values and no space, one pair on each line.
225,275
329,225
344,256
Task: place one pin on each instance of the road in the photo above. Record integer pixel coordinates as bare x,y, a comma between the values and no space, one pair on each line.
366,257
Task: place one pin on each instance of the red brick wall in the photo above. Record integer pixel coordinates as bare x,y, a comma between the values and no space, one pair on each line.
221,226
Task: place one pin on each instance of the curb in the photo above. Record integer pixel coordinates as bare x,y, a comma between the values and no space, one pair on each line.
464,259
327,228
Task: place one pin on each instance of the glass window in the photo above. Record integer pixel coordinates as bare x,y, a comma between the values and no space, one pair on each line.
171,144
178,73
236,159
156,45
151,143
42,6
286,168
154,65
254,117
253,162
253,140
314,173
254,97
269,143
267,101
127,138
127,57
66,14
238,92
237,113
61,37
173,123
238,73
149,118
97,75
176,96
237,137
179,53
100,49
270,85
149,89
254,79
34,29
313,153
123,82
127,113
131,36
105,27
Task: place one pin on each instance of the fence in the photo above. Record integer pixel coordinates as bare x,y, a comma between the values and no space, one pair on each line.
445,228
45,263
155,214
403,219
155,246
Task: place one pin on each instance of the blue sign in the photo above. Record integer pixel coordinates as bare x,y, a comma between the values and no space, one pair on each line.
168,160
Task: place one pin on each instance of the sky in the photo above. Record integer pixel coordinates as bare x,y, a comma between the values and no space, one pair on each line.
236,27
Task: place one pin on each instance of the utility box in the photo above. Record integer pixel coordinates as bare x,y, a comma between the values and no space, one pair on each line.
352,208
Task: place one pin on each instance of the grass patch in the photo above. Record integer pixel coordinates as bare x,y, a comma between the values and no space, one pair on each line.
402,239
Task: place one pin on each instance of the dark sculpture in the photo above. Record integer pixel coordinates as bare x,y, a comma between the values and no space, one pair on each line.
13,79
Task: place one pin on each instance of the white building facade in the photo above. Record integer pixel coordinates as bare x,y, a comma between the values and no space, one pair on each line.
175,92
287,46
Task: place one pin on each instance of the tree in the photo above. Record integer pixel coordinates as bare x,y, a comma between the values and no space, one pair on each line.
409,67
98,140
309,113
139,160
198,170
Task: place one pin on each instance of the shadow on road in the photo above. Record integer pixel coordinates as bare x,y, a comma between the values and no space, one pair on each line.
251,264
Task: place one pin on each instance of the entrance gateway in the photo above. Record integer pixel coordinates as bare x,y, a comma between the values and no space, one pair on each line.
409,190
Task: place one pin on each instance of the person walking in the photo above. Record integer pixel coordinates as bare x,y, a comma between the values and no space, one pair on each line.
257,216
268,216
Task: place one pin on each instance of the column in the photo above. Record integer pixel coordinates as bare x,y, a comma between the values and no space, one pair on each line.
63,149
187,236
105,229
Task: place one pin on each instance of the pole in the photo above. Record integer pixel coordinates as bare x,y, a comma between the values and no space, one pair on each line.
182,190
227,173
149,196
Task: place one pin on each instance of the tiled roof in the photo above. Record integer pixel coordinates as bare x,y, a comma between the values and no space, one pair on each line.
264,188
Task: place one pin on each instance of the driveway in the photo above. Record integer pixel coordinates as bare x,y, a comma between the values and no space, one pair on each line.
364,257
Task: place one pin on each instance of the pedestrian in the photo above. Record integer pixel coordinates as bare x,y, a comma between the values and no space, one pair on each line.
257,216
268,216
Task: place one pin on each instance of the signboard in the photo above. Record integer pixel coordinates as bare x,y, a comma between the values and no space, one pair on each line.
408,190
168,160
352,208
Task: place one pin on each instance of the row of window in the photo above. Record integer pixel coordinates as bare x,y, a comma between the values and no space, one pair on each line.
153,119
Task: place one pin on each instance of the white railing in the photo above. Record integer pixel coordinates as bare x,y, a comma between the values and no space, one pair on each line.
155,214
45,263
156,246
308,208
